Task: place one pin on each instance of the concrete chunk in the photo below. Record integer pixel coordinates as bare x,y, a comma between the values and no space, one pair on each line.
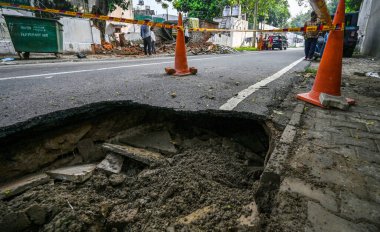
21,185
76,174
138,154
112,163
333,101
157,140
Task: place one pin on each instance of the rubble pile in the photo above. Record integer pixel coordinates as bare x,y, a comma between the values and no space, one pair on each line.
131,48
209,48
128,49
199,48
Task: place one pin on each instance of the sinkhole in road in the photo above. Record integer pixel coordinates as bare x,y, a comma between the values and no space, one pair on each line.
192,170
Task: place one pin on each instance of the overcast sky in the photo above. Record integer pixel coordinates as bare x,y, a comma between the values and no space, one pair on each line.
294,8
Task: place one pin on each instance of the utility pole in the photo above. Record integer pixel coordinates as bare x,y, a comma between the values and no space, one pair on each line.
255,22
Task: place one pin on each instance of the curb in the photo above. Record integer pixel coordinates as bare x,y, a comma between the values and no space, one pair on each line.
275,164
270,179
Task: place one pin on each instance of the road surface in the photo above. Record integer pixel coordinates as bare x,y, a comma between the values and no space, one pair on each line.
248,81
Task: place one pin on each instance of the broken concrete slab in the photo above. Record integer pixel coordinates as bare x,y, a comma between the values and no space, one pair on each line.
76,174
138,154
112,163
252,218
21,185
196,215
334,101
157,140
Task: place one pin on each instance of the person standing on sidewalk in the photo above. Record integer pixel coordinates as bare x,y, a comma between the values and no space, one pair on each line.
311,37
146,36
153,36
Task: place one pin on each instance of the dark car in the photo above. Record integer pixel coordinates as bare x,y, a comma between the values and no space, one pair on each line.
350,33
279,41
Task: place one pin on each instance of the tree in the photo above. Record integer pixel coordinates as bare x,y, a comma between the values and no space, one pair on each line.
351,5
279,14
300,19
203,9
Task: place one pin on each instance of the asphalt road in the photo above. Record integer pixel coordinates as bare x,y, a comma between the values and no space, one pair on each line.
254,79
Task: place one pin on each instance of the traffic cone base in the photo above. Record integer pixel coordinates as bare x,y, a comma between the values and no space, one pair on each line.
311,97
172,71
180,64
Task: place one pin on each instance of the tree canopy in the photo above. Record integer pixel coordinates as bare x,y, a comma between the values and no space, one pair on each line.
300,19
351,5
275,12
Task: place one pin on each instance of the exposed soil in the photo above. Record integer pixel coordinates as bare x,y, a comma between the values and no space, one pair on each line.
205,186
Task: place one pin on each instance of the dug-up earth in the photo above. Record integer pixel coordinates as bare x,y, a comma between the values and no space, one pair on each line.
203,183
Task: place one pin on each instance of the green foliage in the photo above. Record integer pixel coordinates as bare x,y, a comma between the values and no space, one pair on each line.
203,9
272,11
246,49
351,5
279,14
311,70
300,19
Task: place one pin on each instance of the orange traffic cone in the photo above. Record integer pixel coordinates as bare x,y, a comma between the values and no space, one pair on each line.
180,67
329,74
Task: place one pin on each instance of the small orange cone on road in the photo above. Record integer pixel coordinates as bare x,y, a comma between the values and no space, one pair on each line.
329,74
180,65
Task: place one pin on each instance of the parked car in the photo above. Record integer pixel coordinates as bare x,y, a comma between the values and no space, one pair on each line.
350,33
279,41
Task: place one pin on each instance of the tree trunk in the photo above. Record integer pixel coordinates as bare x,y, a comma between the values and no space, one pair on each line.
255,23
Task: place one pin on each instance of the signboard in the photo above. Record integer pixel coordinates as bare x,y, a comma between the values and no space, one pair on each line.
20,2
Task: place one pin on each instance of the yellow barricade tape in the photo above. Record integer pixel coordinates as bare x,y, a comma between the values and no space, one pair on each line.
168,26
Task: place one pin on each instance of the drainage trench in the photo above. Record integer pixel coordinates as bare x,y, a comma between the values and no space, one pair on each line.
192,170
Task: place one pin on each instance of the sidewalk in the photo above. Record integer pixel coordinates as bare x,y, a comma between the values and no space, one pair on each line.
331,178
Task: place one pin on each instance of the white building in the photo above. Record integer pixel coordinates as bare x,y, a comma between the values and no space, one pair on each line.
369,23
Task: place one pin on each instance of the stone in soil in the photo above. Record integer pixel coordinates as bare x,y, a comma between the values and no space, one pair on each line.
21,185
120,216
138,154
76,174
112,163
117,179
